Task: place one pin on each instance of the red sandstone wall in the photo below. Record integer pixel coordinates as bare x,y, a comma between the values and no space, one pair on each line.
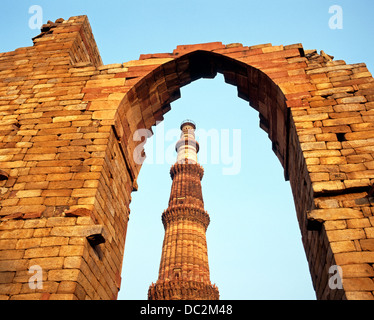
67,165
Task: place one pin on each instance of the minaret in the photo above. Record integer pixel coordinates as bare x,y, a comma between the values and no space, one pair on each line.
184,268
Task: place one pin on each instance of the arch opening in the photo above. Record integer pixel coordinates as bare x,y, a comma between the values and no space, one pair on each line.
149,99
263,96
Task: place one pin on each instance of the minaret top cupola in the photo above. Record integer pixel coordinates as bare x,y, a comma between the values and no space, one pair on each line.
187,147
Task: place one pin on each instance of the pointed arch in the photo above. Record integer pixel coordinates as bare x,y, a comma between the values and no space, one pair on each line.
281,84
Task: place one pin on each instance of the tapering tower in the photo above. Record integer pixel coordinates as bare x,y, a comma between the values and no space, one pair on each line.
184,268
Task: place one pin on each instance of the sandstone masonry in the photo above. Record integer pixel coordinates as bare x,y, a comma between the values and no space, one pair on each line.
67,164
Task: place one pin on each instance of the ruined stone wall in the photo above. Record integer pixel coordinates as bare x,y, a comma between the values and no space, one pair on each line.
68,165
58,160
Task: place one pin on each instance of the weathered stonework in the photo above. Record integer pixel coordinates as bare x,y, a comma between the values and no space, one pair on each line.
66,139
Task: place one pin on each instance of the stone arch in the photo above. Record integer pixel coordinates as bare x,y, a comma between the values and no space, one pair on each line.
253,86
67,168
282,97
154,92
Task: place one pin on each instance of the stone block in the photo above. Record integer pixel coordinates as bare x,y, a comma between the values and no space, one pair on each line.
367,244
357,271
8,244
359,295
60,221
6,277
306,146
334,214
84,192
11,254
358,223
311,117
28,243
42,252
54,241
369,232
71,184
354,257
16,234
356,99
358,284
63,275
342,121
73,262
77,231
28,193
332,160
325,186
13,265
342,246
46,263
71,250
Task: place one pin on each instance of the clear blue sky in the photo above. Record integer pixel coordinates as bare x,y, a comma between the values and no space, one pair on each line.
254,243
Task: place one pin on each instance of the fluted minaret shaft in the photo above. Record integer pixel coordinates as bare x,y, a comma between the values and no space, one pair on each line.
184,269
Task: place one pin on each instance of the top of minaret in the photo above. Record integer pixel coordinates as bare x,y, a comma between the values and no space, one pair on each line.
188,124
187,147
